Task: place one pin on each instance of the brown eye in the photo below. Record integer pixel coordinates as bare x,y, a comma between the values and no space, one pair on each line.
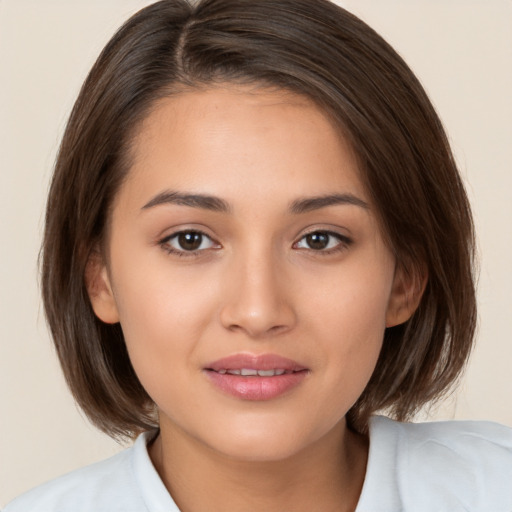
317,241
187,241
324,241
190,241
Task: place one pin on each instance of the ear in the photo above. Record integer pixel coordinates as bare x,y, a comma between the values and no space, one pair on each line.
406,293
99,289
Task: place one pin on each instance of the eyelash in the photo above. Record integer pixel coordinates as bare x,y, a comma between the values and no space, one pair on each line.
343,243
164,243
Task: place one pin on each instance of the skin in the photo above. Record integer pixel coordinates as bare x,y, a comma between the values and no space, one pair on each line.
254,286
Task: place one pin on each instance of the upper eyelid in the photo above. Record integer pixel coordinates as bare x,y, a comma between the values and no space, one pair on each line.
164,242
180,231
177,232
341,236
342,243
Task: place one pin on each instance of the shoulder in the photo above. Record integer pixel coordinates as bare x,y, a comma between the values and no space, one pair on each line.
452,465
465,446
109,485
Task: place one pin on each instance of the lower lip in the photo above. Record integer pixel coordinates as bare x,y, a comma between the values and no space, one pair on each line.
256,388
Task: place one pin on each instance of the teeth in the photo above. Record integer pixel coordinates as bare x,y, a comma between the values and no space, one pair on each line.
266,373
250,372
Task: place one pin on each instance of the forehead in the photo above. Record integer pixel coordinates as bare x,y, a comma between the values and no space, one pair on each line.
232,137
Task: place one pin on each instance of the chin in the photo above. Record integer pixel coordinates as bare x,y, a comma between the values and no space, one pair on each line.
259,450
260,441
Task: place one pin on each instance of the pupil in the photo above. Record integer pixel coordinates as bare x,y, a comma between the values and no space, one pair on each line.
317,240
190,241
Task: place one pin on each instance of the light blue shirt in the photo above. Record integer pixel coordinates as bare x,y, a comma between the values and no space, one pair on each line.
449,466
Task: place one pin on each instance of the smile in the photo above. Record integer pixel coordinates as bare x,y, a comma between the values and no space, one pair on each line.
255,377
248,372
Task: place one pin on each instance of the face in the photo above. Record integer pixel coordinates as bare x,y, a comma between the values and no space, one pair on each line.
248,271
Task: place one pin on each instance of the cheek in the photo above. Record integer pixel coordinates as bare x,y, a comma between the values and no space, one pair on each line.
349,323
164,314
352,301
351,338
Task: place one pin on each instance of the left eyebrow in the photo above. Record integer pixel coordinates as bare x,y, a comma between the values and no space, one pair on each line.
309,204
202,201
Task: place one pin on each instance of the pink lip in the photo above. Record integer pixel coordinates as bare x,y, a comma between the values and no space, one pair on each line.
256,362
256,387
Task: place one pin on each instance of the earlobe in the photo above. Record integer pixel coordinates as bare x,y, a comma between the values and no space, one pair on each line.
406,294
99,289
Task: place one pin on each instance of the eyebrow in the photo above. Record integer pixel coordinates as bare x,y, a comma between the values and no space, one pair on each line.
193,200
309,204
216,204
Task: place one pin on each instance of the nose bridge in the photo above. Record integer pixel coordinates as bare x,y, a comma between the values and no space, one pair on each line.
258,303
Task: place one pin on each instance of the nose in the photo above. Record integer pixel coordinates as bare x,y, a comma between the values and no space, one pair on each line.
259,299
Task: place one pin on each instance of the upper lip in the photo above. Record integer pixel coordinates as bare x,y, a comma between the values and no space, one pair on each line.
255,362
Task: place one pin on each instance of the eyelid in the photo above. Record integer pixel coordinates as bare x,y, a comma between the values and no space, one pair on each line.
165,245
344,241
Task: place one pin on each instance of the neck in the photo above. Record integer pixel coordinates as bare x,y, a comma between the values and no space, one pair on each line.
327,475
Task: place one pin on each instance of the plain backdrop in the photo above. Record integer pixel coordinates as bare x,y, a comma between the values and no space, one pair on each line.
460,49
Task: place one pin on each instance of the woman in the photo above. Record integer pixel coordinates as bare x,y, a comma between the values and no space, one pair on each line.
256,238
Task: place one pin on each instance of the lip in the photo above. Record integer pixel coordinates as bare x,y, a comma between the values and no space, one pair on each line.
255,388
256,362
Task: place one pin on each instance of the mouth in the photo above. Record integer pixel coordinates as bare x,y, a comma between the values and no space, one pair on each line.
256,377
251,372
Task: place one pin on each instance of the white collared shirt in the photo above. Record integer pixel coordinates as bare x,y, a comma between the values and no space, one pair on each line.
425,467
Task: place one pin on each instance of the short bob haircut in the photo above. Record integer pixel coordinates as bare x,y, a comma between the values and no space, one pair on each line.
310,47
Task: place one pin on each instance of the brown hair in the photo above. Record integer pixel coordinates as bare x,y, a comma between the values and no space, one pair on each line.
316,49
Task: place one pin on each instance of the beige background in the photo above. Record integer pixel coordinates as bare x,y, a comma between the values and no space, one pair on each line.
461,50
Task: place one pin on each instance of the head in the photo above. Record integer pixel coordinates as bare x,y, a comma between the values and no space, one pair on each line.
305,50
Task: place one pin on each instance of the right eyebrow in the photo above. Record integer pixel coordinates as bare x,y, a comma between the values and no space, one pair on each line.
308,204
202,201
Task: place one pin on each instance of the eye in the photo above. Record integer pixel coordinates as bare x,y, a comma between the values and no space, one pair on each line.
188,241
322,241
